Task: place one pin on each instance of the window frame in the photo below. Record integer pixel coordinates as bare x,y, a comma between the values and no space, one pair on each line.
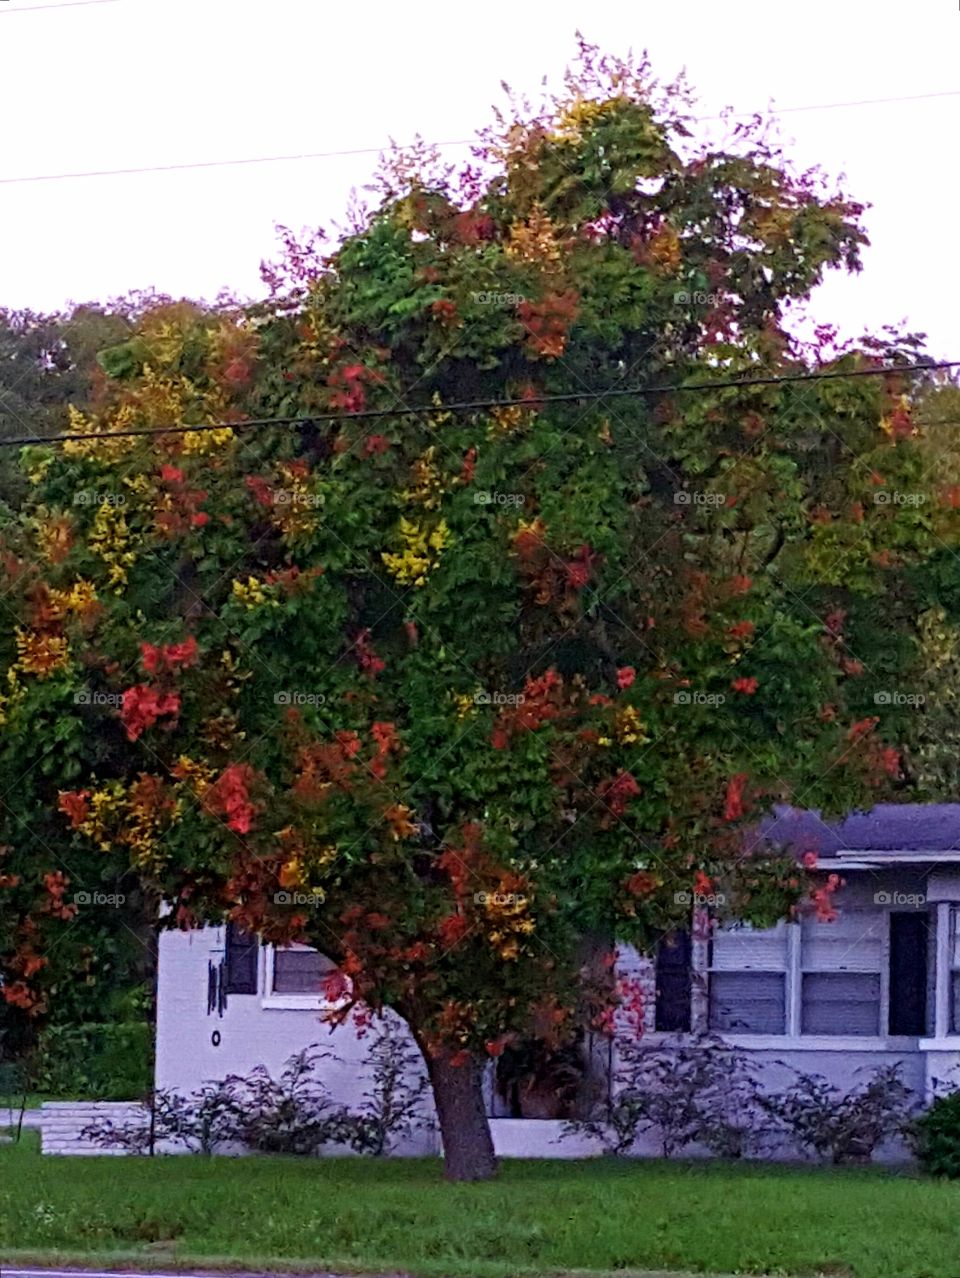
793,1039
711,969
271,1000
882,972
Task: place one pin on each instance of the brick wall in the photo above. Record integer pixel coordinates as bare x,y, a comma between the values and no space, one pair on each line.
61,1123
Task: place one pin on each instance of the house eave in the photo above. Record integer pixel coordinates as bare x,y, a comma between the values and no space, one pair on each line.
866,859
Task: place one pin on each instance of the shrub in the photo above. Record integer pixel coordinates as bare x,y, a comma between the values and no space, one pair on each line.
935,1137
395,1103
291,1114
687,1090
846,1125
201,1122
102,1062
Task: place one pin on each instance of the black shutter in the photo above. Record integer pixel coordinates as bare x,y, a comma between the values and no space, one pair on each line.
673,983
241,959
908,973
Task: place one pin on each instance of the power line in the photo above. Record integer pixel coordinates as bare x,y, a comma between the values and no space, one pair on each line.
468,406
296,157
69,4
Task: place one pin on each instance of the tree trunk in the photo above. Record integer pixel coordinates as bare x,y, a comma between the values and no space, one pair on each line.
458,1095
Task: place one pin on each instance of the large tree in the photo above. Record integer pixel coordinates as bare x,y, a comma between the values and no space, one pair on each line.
462,695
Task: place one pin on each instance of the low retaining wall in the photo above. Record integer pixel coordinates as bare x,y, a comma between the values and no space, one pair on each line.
61,1123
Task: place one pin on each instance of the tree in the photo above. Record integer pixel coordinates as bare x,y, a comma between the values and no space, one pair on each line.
445,691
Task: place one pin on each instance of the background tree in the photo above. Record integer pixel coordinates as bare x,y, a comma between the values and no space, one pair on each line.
445,690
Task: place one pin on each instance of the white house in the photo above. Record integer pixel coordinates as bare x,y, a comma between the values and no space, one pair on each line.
879,984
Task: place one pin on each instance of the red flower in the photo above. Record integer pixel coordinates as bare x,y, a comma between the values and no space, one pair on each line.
171,474
143,706
861,729
452,929
702,884
171,656
230,796
643,883
375,445
746,686
735,807
740,585
741,630
75,804
261,490
618,792
199,519
625,676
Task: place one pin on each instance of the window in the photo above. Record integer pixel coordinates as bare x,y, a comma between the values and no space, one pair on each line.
297,969
748,980
955,969
841,962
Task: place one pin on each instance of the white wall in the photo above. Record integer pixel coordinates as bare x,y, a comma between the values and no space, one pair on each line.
251,1032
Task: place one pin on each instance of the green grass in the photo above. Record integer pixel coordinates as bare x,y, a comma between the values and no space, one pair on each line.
538,1218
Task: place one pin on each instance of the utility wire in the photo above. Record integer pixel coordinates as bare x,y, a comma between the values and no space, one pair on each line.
69,4
469,406
377,150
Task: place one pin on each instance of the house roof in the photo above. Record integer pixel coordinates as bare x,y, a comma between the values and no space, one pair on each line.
921,828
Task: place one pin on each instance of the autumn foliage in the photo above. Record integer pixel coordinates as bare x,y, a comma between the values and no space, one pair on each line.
481,681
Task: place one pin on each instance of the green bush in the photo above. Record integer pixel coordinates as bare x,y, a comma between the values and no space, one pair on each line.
936,1137
95,1061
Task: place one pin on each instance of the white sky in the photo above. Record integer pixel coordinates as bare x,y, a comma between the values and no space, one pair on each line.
140,82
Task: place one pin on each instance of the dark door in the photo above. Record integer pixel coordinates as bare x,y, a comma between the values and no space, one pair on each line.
673,982
908,973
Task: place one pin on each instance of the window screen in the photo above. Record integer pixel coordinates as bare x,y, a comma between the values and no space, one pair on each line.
300,971
840,983
748,980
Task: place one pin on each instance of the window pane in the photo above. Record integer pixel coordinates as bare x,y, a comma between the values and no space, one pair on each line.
954,938
300,971
853,942
747,1002
734,949
955,1002
841,1003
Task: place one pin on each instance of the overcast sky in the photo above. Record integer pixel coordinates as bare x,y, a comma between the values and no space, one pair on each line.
132,83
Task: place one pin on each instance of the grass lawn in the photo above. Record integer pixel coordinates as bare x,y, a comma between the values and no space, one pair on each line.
538,1218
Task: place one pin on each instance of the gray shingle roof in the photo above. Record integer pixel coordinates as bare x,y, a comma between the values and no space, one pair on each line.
913,827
